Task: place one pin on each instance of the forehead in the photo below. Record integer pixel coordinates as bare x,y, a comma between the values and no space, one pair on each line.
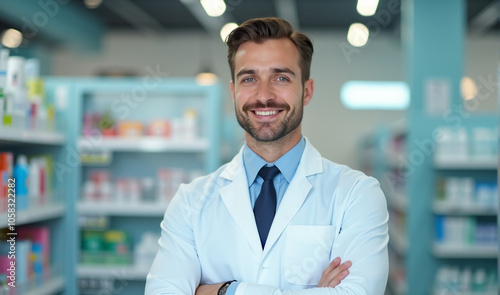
270,51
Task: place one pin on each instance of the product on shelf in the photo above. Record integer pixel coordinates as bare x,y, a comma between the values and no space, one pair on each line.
145,250
184,128
22,100
117,247
463,192
92,247
30,258
6,169
130,129
168,183
159,127
455,280
21,176
125,190
111,247
40,237
465,231
460,144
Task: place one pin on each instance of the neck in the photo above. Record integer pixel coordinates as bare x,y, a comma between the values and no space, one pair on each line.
271,151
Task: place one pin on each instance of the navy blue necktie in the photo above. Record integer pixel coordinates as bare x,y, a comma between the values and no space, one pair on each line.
265,205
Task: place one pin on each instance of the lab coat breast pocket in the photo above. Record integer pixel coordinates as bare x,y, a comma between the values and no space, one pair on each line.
307,253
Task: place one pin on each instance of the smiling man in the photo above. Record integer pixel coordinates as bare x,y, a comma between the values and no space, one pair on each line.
279,218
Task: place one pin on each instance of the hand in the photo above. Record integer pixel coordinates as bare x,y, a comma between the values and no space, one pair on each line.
208,289
334,273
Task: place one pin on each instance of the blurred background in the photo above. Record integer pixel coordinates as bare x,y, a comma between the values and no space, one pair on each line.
106,106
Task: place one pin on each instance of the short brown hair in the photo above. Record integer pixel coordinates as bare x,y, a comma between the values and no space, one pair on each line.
261,29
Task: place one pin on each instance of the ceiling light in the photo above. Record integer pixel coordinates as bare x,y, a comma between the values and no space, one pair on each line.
206,78
375,95
214,8
226,30
367,7
92,3
358,35
468,88
12,38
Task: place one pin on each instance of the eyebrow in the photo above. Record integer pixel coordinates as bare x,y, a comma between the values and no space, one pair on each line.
274,70
283,70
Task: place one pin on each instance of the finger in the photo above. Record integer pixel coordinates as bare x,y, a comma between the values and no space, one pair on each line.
331,278
342,275
334,264
323,282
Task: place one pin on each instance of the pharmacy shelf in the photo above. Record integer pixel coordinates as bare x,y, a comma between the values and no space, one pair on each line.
398,241
52,286
35,214
143,144
127,209
16,135
116,272
444,208
465,251
483,163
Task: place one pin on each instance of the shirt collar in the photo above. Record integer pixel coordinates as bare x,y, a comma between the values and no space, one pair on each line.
287,164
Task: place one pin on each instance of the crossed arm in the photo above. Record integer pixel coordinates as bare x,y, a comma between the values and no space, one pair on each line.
331,277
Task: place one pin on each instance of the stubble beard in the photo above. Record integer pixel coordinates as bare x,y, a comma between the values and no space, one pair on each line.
266,132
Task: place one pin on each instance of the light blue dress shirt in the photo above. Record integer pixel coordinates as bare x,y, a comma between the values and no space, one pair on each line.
287,165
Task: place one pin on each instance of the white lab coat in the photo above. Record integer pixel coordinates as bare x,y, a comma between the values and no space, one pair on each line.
209,234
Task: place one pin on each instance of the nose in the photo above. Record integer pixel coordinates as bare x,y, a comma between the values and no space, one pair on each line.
265,92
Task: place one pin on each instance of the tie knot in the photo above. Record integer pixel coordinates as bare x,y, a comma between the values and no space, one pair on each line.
268,173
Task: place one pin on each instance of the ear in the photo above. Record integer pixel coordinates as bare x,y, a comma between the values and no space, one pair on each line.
308,91
231,86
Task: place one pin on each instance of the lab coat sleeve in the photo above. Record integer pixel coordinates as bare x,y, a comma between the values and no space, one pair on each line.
176,268
363,240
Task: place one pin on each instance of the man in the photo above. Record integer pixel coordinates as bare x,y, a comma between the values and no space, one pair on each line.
277,219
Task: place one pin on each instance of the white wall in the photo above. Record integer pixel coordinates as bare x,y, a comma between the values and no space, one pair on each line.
332,128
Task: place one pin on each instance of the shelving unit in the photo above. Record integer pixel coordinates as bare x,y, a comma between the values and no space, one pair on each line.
483,168
443,208
134,157
148,144
465,251
15,135
488,163
53,214
114,209
33,215
119,272
52,286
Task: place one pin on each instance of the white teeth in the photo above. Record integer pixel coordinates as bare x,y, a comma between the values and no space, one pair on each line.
267,113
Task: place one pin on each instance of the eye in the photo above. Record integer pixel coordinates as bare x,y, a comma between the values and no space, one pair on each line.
248,80
282,79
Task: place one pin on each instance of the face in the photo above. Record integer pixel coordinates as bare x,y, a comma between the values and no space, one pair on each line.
268,92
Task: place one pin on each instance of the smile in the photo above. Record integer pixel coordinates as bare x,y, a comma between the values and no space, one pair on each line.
266,113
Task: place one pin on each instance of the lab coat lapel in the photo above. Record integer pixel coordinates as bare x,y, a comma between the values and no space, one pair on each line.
296,193
236,198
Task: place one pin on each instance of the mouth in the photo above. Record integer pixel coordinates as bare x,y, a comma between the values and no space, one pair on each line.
266,113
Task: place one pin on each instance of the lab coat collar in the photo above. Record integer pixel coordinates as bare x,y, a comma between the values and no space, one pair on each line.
311,162
236,197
